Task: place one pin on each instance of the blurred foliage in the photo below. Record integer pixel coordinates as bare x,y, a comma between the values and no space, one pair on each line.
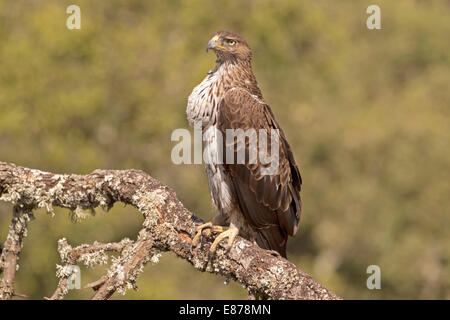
366,112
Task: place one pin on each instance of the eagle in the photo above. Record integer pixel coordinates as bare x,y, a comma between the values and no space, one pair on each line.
264,208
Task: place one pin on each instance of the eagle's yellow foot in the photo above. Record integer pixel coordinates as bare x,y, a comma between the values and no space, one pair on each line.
205,230
231,234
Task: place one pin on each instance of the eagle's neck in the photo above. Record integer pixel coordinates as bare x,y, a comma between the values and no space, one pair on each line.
236,73
206,97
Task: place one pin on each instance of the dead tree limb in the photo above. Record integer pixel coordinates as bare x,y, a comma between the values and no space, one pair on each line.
167,226
11,250
90,255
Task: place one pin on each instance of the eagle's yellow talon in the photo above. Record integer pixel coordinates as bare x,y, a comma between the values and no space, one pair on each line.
231,234
199,233
205,230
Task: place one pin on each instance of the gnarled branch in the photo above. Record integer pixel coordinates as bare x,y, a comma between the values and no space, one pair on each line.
167,226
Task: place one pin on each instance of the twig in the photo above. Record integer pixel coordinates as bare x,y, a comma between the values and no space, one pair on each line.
90,255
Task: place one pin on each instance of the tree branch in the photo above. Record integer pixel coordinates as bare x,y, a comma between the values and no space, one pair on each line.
167,226
11,250
90,255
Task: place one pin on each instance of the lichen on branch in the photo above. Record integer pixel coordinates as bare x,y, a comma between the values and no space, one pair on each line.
167,226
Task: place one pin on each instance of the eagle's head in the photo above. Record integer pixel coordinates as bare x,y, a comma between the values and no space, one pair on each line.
229,45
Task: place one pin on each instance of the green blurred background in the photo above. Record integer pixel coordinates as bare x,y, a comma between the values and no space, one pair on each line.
366,112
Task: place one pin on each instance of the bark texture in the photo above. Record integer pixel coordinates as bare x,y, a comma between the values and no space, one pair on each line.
167,226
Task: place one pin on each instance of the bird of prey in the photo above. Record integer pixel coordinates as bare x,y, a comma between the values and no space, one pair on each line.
264,208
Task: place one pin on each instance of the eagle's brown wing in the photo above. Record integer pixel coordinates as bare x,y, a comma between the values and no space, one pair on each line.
271,204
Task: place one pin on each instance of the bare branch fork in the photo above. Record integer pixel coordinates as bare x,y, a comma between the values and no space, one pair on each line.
167,226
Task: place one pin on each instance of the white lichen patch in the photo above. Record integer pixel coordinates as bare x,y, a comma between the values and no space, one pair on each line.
39,172
277,270
78,215
240,246
155,258
94,258
48,207
125,242
64,271
198,264
149,202
264,284
108,178
10,196
116,269
64,249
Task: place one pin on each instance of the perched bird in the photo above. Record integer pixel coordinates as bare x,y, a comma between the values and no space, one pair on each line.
264,208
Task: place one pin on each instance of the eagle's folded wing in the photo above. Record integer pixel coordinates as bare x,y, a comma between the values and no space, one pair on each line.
270,203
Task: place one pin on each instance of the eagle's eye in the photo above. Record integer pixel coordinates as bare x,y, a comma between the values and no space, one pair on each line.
231,42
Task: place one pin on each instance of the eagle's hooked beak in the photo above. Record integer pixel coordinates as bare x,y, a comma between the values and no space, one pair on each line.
214,44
